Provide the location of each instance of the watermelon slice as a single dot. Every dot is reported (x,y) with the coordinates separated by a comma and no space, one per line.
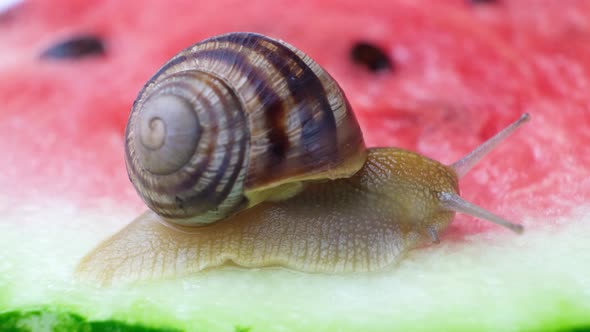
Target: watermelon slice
(455,73)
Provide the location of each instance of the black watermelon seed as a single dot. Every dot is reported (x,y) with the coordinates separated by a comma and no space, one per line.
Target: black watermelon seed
(477,2)
(370,56)
(75,48)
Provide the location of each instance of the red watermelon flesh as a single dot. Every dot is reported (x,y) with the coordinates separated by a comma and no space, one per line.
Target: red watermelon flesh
(461,72)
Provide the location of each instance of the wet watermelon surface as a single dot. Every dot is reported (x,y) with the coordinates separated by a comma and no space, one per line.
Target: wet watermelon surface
(455,73)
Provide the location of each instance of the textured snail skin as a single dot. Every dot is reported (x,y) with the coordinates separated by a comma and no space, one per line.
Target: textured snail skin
(361,223)
(235,120)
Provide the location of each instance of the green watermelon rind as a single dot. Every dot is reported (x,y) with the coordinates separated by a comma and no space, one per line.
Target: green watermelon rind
(53,319)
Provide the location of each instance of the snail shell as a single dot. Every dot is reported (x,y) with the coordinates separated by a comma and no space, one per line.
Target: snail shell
(235,120)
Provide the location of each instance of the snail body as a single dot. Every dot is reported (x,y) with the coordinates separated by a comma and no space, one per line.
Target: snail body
(267,167)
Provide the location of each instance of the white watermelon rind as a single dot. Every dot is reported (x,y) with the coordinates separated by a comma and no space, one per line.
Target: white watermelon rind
(493,281)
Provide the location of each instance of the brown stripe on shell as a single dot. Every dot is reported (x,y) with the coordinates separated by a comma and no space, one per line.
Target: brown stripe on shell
(306,90)
(350,139)
(204,185)
(275,108)
(272,104)
(215,191)
(191,181)
(315,148)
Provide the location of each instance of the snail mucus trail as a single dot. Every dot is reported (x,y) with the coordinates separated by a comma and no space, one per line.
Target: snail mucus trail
(247,153)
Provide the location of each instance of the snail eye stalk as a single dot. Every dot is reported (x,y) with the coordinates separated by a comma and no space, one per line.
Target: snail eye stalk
(465,164)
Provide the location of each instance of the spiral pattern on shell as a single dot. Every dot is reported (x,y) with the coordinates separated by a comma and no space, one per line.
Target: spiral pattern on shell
(235,115)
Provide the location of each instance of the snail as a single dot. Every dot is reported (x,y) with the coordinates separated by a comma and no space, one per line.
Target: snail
(247,153)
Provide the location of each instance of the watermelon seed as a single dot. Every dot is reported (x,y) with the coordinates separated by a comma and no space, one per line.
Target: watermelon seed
(75,47)
(371,57)
(477,2)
